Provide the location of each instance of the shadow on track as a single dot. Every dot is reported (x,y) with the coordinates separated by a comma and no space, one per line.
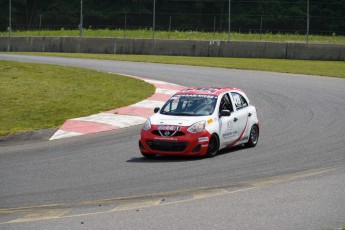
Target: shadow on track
(169,159)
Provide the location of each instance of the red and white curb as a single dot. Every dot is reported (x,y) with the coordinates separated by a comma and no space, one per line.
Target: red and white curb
(135,114)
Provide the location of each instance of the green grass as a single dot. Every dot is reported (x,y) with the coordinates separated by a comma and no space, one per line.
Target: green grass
(318,68)
(36,96)
(189,35)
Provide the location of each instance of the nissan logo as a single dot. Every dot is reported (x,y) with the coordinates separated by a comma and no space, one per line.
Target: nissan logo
(166,133)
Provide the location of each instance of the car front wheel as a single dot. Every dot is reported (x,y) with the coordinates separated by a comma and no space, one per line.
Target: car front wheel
(213,146)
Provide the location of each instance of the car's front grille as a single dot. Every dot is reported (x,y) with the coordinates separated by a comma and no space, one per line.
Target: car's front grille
(168,133)
(167,146)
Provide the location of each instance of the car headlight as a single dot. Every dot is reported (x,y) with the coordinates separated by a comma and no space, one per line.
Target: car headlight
(197,127)
(147,125)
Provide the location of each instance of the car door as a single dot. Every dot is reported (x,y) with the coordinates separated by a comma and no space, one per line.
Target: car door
(226,129)
(239,118)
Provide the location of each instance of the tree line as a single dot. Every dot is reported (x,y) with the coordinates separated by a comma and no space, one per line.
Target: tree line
(206,15)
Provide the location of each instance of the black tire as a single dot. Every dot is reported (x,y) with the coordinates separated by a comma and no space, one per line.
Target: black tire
(213,146)
(253,136)
(148,156)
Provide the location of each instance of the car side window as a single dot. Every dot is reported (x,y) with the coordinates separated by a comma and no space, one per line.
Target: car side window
(240,101)
(225,103)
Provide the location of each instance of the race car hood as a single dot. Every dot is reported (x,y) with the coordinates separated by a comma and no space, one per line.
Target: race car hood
(159,119)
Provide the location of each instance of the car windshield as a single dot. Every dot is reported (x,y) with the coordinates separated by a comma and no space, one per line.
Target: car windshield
(190,105)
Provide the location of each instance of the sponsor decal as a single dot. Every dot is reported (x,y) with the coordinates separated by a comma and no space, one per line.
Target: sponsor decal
(229,135)
(169,127)
(165,138)
(197,95)
(237,100)
(203,139)
(203,146)
(240,137)
(230,125)
(206,90)
(209,121)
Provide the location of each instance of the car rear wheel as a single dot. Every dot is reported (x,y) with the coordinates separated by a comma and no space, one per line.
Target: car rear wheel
(253,136)
(213,146)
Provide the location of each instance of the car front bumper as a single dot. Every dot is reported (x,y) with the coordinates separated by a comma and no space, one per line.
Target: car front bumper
(188,144)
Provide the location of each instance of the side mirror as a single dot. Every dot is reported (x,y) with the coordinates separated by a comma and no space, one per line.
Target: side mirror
(225,113)
(156,109)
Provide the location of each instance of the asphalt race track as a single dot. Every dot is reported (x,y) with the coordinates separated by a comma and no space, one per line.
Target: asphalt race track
(299,162)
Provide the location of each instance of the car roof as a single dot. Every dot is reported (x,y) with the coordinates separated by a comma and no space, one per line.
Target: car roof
(213,91)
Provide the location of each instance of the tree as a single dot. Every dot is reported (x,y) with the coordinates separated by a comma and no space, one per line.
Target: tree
(246,15)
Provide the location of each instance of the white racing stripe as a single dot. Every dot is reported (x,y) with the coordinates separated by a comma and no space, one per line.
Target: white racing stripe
(64,134)
(113,119)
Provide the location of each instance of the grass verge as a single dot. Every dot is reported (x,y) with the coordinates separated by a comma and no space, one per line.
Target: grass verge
(317,68)
(185,35)
(36,96)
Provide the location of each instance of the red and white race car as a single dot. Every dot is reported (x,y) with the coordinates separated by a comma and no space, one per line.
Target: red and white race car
(200,122)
